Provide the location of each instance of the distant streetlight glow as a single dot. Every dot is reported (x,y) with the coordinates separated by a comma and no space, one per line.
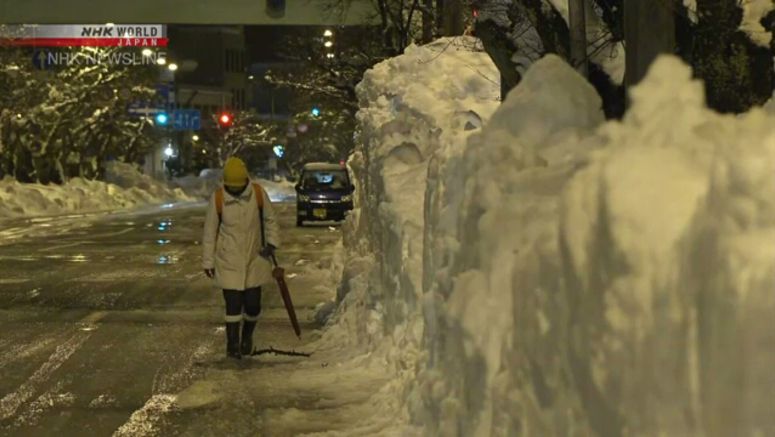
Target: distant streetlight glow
(195,138)
(328,33)
(173,67)
(168,151)
(147,53)
(251,77)
(161,61)
(328,44)
(330,56)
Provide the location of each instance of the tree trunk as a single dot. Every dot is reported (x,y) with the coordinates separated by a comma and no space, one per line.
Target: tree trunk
(578,35)
(453,18)
(500,47)
(439,17)
(649,29)
(427,21)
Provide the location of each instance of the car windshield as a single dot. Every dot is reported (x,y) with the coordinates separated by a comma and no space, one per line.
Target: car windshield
(324,179)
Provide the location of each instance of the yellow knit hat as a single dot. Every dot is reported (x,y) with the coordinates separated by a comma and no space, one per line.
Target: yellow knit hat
(235,173)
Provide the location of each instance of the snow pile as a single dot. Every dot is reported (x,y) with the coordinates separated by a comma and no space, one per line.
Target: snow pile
(279,191)
(125,188)
(210,179)
(406,116)
(554,274)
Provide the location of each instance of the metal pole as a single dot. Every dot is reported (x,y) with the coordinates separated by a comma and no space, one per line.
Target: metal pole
(578,35)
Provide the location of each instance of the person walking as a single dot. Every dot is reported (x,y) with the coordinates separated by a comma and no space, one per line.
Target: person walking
(241,234)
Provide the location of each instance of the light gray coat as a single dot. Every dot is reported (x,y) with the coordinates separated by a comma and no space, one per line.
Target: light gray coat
(232,245)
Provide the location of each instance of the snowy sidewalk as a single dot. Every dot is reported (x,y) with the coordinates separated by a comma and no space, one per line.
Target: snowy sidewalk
(339,390)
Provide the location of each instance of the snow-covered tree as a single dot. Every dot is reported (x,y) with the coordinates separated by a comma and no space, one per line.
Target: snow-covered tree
(515,33)
(728,42)
(67,120)
(249,137)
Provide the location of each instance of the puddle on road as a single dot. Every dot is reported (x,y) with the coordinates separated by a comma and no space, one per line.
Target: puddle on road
(80,258)
(164,225)
(167,260)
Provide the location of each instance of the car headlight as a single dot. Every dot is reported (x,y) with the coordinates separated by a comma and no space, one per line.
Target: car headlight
(304,198)
(347,198)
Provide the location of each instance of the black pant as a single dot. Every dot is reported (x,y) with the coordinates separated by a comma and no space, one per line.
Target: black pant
(237,302)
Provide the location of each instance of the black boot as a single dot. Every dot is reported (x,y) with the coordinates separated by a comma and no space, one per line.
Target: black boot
(232,340)
(247,337)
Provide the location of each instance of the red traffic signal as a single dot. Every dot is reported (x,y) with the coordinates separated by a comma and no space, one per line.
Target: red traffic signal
(225,119)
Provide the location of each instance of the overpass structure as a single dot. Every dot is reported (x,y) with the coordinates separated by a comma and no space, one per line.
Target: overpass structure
(212,12)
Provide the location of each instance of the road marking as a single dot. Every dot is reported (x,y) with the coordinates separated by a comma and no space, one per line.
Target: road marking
(61,246)
(11,402)
(23,351)
(7,281)
(146,420)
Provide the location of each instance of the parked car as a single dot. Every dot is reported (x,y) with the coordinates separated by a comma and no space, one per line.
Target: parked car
(324,193)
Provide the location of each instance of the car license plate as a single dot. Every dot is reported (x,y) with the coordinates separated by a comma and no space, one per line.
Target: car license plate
(320,213)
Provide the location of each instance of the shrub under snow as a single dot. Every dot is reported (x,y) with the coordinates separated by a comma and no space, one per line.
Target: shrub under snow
(554,274)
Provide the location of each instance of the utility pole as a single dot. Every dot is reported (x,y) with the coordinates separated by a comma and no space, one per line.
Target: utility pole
(649,30)
(453,18)
(577,19)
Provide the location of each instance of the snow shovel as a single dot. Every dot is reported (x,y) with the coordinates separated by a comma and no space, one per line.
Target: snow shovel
(279,276)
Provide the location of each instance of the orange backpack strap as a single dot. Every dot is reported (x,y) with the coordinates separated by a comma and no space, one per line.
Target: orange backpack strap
(259,195)
(219,202)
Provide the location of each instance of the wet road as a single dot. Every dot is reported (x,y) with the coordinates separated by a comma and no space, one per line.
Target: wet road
(105,320)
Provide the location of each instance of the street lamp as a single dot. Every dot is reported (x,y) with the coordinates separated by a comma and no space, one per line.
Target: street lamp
(168,151)
(328,44)
(328,33)
(330,56)
(195,138)
(147,53)
(161,61)
(173,67)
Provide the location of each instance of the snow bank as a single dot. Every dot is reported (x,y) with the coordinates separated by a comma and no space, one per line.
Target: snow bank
(202,186)
(125,188)
(406,117)
(553,274)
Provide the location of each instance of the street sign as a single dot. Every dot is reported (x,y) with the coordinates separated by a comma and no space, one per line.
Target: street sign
(143,109)
(186,119)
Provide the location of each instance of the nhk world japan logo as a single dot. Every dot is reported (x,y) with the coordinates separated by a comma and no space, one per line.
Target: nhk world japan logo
(85,35)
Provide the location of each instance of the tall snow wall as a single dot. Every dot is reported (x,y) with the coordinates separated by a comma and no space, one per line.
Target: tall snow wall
(554,274)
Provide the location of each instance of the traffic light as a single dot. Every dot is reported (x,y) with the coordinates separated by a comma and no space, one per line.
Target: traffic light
(225,119)
(162,119)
